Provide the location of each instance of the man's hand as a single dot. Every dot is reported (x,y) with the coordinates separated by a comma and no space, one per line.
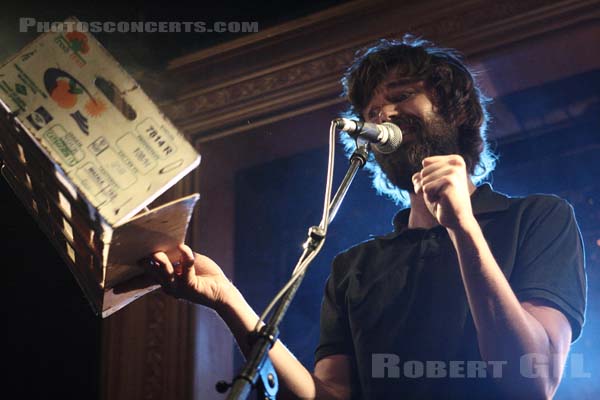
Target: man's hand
(193,277)
(445,186)
(199,279)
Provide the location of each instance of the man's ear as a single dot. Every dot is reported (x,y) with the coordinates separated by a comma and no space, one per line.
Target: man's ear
(433,97)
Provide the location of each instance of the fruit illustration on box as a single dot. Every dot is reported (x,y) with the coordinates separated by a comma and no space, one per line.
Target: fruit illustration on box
(78,42)
(63,88)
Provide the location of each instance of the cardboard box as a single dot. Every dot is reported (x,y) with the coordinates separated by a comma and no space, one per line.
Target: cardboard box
(86,150)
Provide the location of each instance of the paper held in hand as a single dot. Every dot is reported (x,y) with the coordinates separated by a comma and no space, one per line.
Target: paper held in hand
(86,150)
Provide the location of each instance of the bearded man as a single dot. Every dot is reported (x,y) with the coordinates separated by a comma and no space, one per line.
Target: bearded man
(473,294)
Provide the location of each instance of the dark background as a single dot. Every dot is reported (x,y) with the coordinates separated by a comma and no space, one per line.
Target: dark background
(151,51)
(50,336)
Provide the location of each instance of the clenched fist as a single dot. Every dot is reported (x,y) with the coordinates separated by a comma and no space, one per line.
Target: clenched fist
(446,189)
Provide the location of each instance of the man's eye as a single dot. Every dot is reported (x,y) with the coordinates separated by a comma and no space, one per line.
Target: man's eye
(400,97)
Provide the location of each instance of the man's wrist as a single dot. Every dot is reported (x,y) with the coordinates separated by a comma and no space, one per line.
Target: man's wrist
(466,227)
(229,300)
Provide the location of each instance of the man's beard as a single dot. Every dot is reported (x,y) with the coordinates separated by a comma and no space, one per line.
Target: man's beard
(431,137)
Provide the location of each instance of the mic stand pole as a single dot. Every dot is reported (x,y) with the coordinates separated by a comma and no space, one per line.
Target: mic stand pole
(258,370)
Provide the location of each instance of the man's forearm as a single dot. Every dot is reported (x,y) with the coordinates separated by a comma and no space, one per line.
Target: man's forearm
(505,330)
(295,381)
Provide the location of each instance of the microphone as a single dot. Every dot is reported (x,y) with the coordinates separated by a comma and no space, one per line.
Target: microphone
(386,137)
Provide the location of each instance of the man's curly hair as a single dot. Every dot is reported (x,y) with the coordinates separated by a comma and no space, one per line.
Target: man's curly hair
(450,85)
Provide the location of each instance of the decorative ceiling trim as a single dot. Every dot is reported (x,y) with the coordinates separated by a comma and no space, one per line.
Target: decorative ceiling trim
(267,120)
(296,67)
(273,34)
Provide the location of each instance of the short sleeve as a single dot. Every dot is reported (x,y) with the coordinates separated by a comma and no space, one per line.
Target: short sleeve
(550,259)
(335,336)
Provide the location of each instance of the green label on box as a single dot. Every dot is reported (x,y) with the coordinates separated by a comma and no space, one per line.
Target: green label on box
(65,144)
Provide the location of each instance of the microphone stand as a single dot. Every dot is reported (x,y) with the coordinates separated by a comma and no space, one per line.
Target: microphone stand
(258,371)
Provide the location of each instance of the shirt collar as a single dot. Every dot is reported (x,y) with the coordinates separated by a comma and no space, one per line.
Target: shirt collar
(483,200)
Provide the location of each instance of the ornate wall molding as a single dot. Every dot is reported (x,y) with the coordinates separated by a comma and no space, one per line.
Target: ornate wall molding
(252,83)
(154,365)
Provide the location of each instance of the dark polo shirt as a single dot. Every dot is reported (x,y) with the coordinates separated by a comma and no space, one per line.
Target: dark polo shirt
(397,305)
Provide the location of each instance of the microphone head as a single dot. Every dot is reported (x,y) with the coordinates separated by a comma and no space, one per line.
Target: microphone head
(394,138)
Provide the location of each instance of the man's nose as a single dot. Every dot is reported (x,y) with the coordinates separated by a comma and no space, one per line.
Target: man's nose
(387,113)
